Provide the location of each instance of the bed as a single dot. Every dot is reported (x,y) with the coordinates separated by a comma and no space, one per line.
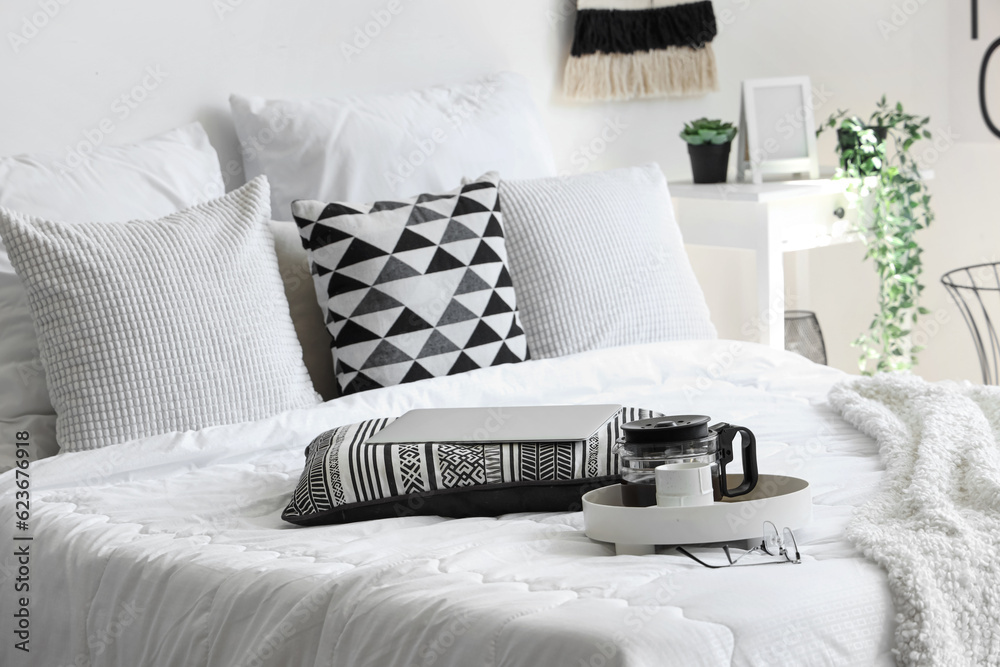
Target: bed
(171,551)
(166,369)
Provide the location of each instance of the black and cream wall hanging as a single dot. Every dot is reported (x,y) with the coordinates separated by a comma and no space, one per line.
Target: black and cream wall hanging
(624,49)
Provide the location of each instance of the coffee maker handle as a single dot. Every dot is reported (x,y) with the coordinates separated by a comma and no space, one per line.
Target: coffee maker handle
(726,436)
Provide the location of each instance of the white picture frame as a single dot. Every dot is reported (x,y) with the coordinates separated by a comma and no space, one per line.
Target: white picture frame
(777,129)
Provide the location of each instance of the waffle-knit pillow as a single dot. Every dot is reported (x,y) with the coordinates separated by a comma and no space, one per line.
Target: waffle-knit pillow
(153,326)
(148,179)
(598,261)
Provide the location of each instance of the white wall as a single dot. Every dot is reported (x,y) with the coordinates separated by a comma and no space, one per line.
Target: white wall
(62,81)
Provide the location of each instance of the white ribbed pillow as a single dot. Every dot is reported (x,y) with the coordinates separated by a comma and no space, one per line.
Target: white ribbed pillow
(597,260)
(153,326)
(148,179)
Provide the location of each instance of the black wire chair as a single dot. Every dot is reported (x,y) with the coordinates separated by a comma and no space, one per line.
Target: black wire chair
(804,336)
(976,291)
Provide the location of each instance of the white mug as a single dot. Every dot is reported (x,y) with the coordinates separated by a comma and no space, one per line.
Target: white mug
(684,485)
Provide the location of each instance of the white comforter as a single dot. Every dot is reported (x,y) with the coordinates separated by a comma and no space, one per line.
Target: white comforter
(170,550)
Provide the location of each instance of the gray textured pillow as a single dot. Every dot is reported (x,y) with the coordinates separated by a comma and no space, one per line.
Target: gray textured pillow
(598,261)
(293,262)
(148,327)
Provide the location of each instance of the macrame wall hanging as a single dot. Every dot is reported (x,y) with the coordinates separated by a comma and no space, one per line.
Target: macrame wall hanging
(623,49)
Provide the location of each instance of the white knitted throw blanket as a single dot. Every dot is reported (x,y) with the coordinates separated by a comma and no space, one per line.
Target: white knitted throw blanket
(934,526)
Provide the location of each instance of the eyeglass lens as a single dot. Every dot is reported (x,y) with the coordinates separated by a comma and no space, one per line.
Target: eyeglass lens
(772,540)
(791,546)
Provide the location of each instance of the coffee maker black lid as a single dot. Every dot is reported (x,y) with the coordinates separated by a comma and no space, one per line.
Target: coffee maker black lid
(666,429)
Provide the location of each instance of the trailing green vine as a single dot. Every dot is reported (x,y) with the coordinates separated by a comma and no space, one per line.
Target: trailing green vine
(893,205)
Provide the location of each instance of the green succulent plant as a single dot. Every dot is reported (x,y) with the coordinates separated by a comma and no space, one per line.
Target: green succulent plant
(705,131)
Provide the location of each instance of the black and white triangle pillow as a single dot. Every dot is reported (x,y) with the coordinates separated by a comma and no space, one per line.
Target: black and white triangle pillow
(416,288)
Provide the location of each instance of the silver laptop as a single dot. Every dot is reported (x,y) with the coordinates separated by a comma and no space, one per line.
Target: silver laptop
(556,423)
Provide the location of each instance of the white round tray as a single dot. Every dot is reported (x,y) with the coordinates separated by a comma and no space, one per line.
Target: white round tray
(785,501)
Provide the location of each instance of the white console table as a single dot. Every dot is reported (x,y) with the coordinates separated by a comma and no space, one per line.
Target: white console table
(770,219)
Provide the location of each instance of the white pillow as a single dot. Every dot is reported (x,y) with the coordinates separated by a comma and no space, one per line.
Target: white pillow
(597,260)
(148,179)
(293,262)
(154,326)
(391,146)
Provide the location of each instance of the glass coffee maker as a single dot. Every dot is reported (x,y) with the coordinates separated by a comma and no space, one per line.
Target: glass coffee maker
(649,443)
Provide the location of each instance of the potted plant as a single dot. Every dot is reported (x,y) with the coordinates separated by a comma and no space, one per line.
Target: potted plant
(708,143)
(895,205)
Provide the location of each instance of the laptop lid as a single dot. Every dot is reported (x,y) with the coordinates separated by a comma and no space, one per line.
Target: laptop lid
(553,423)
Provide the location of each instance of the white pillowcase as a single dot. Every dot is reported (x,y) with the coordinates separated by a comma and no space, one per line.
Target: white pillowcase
(391,146)
(154,326)
(597,260)
(148,179)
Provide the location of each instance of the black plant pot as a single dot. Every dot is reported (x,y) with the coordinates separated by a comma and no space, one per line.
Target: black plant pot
(709,162)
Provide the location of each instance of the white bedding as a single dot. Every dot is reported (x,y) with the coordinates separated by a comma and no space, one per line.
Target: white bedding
(170,550)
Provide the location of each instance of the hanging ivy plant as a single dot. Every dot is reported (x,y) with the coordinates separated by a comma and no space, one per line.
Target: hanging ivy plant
(893,204)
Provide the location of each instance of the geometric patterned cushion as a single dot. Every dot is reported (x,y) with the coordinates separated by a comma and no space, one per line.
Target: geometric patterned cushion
(345,479)
(413,289)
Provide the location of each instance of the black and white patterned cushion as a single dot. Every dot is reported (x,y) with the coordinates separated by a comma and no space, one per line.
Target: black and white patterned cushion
(413,289)
(346,479)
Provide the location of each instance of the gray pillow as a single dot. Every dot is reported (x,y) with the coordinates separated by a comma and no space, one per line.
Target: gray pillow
(598,261)
(148,327)
(293,262)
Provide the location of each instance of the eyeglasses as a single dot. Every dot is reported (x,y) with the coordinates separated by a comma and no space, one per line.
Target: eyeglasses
(773,543)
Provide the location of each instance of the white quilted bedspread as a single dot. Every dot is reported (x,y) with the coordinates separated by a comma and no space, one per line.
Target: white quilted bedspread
(170,550)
